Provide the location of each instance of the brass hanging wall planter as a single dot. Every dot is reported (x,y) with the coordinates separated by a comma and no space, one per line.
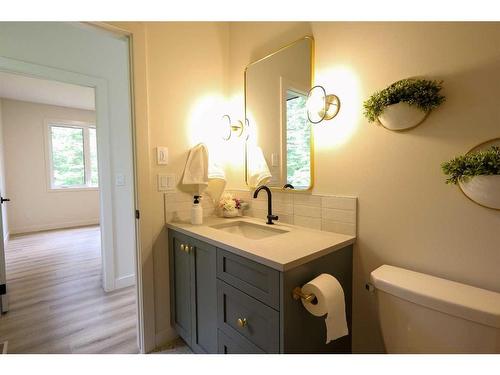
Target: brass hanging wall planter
(477,173)
(405,104)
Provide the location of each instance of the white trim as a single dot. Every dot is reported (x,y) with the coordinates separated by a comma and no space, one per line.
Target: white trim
(103,149)
(72,189)
(165,336)
(145,303)
(66,224)
(124,281)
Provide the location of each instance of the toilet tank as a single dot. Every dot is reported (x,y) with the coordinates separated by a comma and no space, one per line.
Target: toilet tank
(419,313)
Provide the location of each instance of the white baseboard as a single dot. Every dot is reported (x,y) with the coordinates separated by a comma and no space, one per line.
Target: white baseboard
(67,224)
(124,281)
(165,336)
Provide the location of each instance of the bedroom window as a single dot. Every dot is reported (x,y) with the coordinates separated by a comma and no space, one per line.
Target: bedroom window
(72,153)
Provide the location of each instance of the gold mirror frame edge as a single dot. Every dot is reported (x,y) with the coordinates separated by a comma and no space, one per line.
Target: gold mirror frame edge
(309,189)
(476,147)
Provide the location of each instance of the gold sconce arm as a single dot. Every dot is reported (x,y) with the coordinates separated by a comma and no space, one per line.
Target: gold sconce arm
(321,106)
(237,128)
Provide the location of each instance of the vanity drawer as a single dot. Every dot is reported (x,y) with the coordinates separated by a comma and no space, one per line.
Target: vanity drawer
(235,345)
(253,278)
(261,323)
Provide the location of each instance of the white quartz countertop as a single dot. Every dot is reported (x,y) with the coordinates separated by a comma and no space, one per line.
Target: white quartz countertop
(282,252)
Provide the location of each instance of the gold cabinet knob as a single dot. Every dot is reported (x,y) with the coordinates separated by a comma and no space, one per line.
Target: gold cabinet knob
(190,248)
(182,247)
(242,322)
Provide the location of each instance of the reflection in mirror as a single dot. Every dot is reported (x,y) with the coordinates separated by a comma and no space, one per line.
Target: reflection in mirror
(276,89)
(298,141)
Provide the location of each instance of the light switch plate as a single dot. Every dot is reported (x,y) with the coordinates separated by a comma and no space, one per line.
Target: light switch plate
(120,180)
(162,155)
(166,182)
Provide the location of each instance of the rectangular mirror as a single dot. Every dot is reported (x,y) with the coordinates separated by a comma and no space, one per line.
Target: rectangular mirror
(279,148)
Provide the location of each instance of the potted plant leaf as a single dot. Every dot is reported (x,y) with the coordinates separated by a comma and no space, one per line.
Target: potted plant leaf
(404,104)
(478,175)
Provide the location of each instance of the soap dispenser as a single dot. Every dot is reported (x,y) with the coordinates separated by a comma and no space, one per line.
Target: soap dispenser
(196,211)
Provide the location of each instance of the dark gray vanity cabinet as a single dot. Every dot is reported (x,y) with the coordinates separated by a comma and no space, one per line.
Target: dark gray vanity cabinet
(193,293)
(225,303)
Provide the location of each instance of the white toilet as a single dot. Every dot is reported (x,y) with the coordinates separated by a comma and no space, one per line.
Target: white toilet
(419,313)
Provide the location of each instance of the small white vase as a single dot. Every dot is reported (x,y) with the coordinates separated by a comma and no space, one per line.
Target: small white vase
(232,213)
(484,190)
(401,116)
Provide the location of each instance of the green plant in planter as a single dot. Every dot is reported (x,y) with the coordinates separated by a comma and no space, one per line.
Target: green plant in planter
(464,167)
(421,93)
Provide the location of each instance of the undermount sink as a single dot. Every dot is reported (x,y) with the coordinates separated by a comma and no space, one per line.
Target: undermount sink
(249,230)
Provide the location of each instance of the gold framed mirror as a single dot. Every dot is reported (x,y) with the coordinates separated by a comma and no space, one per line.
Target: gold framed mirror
(279,151)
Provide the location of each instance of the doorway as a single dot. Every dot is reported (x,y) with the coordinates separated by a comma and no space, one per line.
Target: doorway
(77,170)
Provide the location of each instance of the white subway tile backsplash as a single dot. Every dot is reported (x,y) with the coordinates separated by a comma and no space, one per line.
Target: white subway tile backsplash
(327,213)
(283,218)
(307,200)
(306,221)
(259,204)
(280,197)
(283,207)
(337,227)
(343,216)
(343,203)
(309,211)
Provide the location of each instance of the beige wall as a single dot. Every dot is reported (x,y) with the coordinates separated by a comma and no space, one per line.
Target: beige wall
(407,216)
(33,207)
(183,72)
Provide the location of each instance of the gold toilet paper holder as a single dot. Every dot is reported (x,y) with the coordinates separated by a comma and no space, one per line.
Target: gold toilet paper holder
(297,294)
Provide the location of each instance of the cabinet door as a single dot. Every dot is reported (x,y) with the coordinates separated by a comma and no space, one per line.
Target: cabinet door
(180,291)
(204,297)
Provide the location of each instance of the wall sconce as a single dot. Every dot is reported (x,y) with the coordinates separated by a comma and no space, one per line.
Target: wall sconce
(237,128)
(321,106)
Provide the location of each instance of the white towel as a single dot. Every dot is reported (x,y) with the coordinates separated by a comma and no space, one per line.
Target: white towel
(196,169)
(258,170)
(203,172)
(216,180)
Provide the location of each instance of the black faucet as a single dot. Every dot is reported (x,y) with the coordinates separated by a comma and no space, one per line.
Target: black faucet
(270,216)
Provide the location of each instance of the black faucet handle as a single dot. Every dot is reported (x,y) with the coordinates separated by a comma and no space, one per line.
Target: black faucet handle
(270,218)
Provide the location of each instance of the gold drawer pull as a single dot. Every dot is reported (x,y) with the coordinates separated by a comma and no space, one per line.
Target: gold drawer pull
(182,247)
(242,322)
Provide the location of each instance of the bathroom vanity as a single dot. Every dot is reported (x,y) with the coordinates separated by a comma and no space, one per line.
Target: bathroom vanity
(231,283)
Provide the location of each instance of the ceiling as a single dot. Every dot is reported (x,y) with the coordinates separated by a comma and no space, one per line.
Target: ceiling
(19,87)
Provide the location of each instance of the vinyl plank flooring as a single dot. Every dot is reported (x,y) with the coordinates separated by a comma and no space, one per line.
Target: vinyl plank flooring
(56,301)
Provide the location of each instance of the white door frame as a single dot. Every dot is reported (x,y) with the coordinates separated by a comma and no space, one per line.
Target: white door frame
(100,86)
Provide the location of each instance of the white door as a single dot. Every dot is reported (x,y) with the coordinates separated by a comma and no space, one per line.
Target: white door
(4,305)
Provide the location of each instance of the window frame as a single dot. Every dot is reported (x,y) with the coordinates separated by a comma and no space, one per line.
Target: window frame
(85,126)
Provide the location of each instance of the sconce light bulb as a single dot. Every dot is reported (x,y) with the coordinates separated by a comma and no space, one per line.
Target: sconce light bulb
(321,106)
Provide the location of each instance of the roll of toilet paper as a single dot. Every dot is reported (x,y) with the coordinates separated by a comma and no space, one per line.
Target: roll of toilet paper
(330,301)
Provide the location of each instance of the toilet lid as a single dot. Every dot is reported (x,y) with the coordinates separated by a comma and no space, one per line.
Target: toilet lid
(461,300)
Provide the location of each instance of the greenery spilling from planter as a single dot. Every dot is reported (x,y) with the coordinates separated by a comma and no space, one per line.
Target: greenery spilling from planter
(421,93)
(464,167)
